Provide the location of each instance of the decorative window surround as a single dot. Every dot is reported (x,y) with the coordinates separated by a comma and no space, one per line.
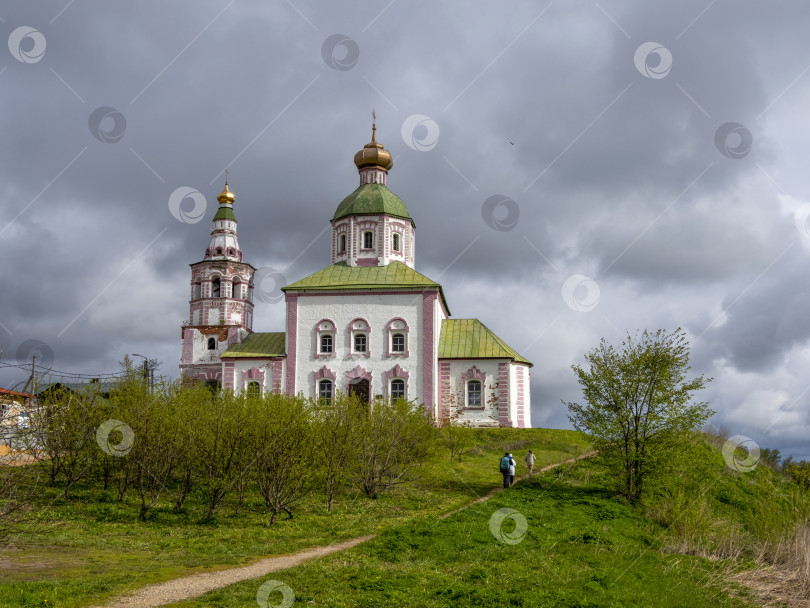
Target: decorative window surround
(396,373)
(396,326)
(359,326)
(253,375)
(358,373)
(325,327)
(474,374)
(324,374)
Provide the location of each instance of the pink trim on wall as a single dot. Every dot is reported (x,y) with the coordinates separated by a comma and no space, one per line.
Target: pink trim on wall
(521,412)
(367,261)
(292,340)
(275,375)
(428,350)
(474,374)
(188,346)
(228,375)
(394,373)
(358,373)
(253,373)
(444,390)
(503,394)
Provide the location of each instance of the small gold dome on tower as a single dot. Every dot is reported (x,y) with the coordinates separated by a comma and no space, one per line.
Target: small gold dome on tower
(226,196)
(373,153)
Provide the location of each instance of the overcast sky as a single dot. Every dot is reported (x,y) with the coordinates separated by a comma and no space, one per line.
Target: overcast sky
(647,162)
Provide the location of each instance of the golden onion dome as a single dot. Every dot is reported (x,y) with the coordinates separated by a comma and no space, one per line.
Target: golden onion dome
(226,196)
(373,154)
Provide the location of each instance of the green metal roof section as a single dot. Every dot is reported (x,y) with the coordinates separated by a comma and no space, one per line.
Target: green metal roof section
(471,339)
(225,213)
(270,344)
(342,277)
(372,199)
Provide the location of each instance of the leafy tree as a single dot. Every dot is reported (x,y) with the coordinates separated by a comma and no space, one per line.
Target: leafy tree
(219,438)
(283,451)
(456,437)
(336,441)
(637,406)
(770,457)
(393,440)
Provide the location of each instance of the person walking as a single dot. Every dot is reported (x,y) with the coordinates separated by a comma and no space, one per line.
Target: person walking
(530,460)
(505,463)
(512,465)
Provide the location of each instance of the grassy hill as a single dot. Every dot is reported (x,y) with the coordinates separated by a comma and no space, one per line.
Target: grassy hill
(583,546)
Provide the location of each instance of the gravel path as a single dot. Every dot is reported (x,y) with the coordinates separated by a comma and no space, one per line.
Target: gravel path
(195,585)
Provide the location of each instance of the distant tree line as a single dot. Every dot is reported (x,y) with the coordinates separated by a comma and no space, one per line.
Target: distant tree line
(799,471)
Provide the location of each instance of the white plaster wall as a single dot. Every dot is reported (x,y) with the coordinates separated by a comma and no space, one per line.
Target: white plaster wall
(378,310)
(201,352)
(477,418)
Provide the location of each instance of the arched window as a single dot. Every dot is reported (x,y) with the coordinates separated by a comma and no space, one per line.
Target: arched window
(237,288)
(359,334)
(231,252)
(473,393)
(397,389)
(398,343)
(219,250)
(368,240)
(325,391)
(342,248)
(254,389)
(396,242)
(215,287)
(325,338)
(212,343)
(197,291)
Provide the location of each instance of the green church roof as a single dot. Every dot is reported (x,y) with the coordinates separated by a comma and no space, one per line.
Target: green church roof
(471,339)
(372,199)
(342,277)
(225,213)
(270,344)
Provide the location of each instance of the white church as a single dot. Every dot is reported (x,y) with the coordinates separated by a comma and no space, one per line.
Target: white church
(368,324)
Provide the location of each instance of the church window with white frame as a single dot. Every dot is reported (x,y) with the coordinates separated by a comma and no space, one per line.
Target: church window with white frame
(398,389)
(368,240)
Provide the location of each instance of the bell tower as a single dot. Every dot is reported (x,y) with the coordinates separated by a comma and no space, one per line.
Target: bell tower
(221,299)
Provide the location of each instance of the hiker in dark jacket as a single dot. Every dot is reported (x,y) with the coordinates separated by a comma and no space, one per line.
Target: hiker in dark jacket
(506,462)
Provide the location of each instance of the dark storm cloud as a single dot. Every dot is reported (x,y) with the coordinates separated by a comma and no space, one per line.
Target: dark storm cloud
(614,175)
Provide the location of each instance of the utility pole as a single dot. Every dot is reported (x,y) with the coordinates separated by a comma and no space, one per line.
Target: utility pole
(32,380)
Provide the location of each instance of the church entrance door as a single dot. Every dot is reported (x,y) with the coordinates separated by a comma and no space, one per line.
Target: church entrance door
(361,389)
